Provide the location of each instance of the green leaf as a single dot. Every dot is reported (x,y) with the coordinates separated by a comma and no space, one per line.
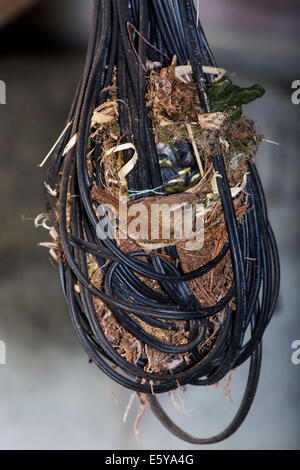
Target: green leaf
(236,113)
(225,94)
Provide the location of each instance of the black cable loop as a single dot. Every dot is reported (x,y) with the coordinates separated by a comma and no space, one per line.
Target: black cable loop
(249,302)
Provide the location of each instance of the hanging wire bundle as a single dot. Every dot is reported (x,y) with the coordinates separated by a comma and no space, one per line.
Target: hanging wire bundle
(143,125)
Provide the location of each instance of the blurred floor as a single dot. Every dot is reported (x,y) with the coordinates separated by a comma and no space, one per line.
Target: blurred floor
(50,397)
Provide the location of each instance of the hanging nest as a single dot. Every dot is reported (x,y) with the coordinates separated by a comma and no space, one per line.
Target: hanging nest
(156,124)
(178,121)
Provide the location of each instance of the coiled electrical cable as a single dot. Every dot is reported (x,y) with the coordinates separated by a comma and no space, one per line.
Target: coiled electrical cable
(170,27)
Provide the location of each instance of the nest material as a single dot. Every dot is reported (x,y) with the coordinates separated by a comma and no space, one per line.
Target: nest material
(174,108)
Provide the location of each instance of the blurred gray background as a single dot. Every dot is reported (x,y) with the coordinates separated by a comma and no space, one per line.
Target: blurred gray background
(50,396)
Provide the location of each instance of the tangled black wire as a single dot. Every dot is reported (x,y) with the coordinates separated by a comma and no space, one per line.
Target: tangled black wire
(170,26)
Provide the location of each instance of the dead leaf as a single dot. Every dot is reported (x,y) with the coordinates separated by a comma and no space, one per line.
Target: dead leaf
(211,121)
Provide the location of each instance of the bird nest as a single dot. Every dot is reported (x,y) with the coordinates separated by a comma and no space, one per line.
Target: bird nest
(178,120)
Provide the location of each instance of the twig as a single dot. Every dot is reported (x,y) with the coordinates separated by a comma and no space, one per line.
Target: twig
(53,148)
(191,135)
(130,25)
